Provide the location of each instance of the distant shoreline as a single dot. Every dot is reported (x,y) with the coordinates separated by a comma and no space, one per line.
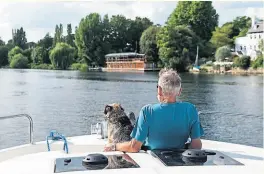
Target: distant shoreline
(233,71)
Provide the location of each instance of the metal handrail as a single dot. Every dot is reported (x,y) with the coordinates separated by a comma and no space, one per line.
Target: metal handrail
(30,123)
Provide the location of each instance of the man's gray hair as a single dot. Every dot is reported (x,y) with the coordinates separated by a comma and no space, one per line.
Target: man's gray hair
(169,81)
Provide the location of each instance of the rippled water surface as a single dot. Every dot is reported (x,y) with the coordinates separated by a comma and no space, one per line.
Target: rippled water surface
(70,101)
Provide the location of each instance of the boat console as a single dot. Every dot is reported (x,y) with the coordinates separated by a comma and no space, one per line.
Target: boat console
(192,157)
(169,157)
(94,162)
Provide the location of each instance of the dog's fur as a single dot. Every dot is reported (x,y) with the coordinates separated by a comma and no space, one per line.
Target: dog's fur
(119,124)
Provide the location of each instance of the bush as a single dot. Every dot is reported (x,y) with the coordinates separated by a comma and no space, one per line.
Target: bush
(14,52)
(76,66)
(258,63)
(19,61)
(242,62)
(222,53)
(84,68)
(41,66)
(79,66)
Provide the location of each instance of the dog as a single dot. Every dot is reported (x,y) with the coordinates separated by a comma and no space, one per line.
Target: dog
(120,124)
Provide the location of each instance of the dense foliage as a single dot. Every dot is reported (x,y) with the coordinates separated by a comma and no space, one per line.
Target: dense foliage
(192,25)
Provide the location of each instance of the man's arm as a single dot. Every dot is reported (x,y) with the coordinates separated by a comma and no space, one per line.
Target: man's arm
(130,146)
(196,129)
(196,144)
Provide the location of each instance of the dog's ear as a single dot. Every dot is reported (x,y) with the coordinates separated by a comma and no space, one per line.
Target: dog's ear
(108,109)
(122,108)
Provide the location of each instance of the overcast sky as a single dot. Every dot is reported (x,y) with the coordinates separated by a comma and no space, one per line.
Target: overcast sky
(38,18)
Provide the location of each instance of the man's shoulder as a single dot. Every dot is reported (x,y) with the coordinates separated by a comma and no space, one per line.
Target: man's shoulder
(148,107)
(187,105)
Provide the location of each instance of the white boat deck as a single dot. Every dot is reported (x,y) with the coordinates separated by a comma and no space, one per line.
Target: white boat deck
(34,159)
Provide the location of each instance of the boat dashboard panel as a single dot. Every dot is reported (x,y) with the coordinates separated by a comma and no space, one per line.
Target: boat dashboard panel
(94,162)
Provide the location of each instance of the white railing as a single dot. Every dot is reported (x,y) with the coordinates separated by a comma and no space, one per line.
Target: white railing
(30,124)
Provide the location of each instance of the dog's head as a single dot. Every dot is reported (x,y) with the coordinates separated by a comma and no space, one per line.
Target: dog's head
(113,111)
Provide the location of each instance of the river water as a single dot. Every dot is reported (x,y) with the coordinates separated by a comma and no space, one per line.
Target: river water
(70,101)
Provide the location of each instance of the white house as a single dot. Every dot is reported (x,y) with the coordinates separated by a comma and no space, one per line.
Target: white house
(249,45)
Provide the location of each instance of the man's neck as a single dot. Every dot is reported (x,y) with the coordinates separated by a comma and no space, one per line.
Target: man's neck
(170,100)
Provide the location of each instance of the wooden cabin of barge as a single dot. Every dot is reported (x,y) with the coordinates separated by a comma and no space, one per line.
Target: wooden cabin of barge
(128,62)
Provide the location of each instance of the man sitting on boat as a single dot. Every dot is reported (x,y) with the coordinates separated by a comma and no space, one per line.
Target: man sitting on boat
(167,124)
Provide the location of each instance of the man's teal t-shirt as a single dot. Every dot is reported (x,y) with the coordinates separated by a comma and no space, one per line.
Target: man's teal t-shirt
(167,125)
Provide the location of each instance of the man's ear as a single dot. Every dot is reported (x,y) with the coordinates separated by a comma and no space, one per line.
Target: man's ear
(108,109)
(179,93)
(159,91)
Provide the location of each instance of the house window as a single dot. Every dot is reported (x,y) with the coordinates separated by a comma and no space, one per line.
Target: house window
(245,48)
(259,36)
(250,36)
(250,46)
(241,48)
(255,36)
(254,47)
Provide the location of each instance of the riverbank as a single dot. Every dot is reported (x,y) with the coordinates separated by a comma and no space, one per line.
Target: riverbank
(229,70)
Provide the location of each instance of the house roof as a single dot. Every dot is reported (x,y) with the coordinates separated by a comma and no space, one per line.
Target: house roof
(125,55)
(258,29)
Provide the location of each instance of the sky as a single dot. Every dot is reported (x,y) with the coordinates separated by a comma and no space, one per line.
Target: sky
(38,18)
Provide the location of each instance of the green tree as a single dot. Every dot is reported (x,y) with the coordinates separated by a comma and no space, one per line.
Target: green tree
(45,44)
(9,44)
(137,27)
(37,55)
(222,53)
(70,36)
(58,36)
(2,43)
(61,56)
(30,45)
(199,15)
(241,26)
(120,37)
(13,52)
(222,36)
(19,38)
(19,61)
(177,46)
(3,56)
(148,43)
(27,53)
(90,40)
